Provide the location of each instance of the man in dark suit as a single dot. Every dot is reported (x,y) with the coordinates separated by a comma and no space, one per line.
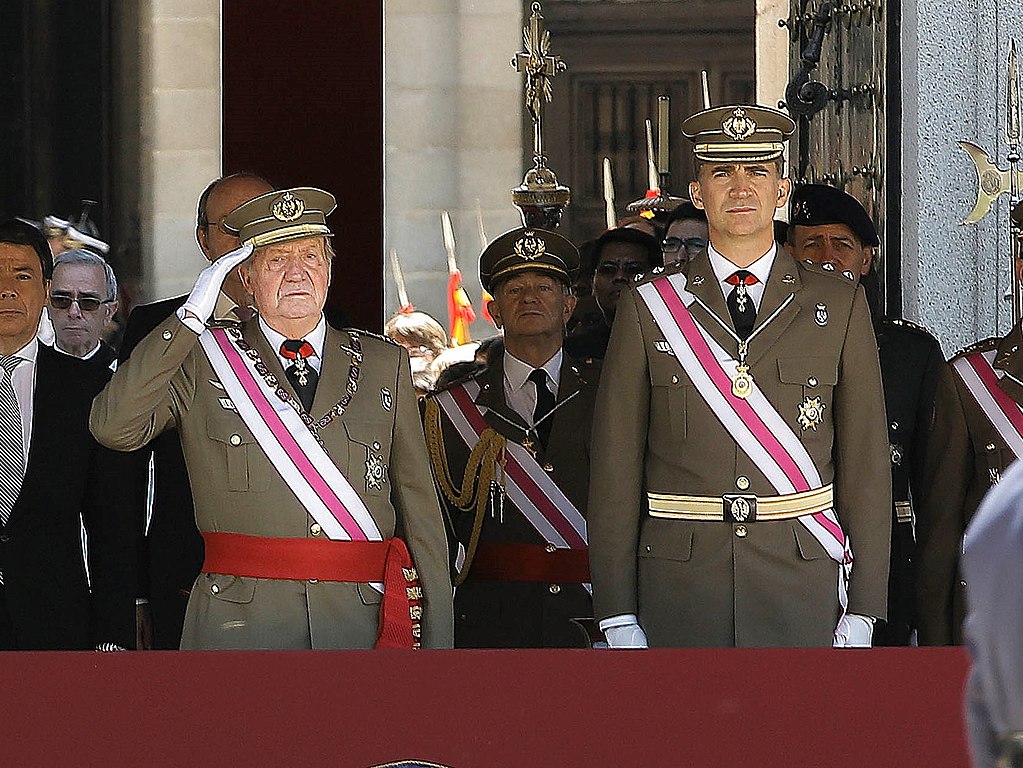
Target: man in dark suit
(174,548)
(510,450)
(53,477)
(82,302)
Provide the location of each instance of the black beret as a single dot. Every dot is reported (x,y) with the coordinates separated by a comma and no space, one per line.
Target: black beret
(634,237)
(525,249)
(814,205)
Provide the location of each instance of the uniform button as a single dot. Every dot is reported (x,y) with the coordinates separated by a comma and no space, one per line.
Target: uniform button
(742,482)
(962,584)
(167,335)
(548,467)
(551,548)
(215,589)
(990,446)
(740,531)
(314,581)
(235,439)
(812,381)
(674,379)
(315,529)
(555,589)
(895,425)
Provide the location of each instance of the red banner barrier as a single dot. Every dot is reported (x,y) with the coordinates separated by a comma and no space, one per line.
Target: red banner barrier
(487,709)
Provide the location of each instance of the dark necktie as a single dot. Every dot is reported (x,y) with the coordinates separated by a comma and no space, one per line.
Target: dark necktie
(740,303)
(544,404)
(300,373)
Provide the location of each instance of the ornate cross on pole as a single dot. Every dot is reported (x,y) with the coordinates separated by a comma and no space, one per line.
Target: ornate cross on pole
(540,198)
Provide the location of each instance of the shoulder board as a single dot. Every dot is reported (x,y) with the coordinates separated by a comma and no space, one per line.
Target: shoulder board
(980,346)
(656,272)
(361,333)
(475,373)
(908,325)
(830,270)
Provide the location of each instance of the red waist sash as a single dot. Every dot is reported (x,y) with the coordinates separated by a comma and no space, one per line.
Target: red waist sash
(385,561)
(530,562)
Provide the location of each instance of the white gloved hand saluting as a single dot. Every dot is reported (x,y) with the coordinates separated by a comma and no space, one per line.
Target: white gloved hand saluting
(854,631)
(203,299)
(623,631)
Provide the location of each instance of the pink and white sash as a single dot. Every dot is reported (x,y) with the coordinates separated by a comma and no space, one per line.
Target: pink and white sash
(754,423)
(529,487)
(980,377)
(293,450)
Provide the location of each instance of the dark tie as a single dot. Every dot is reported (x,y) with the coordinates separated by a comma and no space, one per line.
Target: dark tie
(544,404)
(300,373)
(740,303)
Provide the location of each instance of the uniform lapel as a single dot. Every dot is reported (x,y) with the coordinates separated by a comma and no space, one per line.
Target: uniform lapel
(333,372)
(252,334)
(1009,359)
(569,385)
(702,283)
(499,415)
(781,283)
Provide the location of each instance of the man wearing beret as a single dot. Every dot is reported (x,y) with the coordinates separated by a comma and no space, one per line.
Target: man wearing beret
(979,424)
(510,455)
(740,486)
(830,227)
(304,451)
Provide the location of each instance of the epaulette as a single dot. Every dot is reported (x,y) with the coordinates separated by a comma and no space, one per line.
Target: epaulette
(908,325)
(828,269)
(478,370)
(361,332)
(980,346)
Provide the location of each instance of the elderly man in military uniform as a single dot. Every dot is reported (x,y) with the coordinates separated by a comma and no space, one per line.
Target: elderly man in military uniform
(979,423)
(510,455)
(829,226)
(304,451)
(740,485)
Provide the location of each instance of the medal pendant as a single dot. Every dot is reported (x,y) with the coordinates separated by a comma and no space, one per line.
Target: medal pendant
(530,446)
(742,382)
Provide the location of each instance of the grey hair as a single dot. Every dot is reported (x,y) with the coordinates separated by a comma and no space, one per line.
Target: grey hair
(84,256)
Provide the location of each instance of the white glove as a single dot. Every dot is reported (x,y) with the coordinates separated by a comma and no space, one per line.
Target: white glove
(203,299)
(854,631)
(623,631)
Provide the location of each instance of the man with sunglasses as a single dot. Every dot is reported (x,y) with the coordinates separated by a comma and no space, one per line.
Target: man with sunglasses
(686,234)
(83,299)
(618,256)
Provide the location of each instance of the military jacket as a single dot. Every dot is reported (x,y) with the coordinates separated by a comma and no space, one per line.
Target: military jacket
(969,458)
(522,614)
(706,583)
(169,382)
(911,361)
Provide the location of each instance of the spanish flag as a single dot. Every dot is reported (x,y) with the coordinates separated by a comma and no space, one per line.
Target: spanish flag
(460,311)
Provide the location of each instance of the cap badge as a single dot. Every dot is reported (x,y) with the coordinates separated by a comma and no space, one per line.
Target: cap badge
(530,247)
(738,126)
(801,210)
(288,208)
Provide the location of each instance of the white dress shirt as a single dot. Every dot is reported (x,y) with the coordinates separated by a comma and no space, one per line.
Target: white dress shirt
(23,380)
(317,338)
(519,391)
(760,269)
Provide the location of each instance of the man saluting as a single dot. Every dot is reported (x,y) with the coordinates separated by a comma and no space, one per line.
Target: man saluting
(304,450)
(740,492)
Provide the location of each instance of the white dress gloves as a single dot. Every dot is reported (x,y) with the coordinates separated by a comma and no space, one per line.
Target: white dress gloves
(203,299)
(623,631)
(854,631)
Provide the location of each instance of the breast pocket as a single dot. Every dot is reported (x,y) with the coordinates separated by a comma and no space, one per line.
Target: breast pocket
(369,456)
(806,402)
(248,469)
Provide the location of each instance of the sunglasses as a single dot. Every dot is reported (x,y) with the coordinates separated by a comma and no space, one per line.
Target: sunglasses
(629,268)
(85,303)
(693,245)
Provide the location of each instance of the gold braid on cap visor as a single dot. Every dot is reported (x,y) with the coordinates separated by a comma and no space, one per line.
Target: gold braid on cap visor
(295,232)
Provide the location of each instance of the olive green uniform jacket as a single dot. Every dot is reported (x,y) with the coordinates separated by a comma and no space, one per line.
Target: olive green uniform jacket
(523,614)
(169,382)
(696,583)
(968,458)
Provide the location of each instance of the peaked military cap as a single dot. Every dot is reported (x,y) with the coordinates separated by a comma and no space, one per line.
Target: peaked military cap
(528,249)
(282,215)
(814,205)
(738,134)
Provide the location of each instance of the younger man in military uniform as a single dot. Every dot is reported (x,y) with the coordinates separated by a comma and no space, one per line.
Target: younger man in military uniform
(739,461)
(978,426)
(830,227)
(510,455)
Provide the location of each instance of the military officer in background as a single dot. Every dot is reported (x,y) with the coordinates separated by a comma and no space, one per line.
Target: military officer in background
(978,427)
(304,450)
(829,226)
(739,456)
(510,451)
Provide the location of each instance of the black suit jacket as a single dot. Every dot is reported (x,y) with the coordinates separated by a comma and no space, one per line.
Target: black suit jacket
(69,477)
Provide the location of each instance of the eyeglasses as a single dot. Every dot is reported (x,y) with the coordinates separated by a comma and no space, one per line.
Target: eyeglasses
(629,268)
(85,303)
(693,245)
